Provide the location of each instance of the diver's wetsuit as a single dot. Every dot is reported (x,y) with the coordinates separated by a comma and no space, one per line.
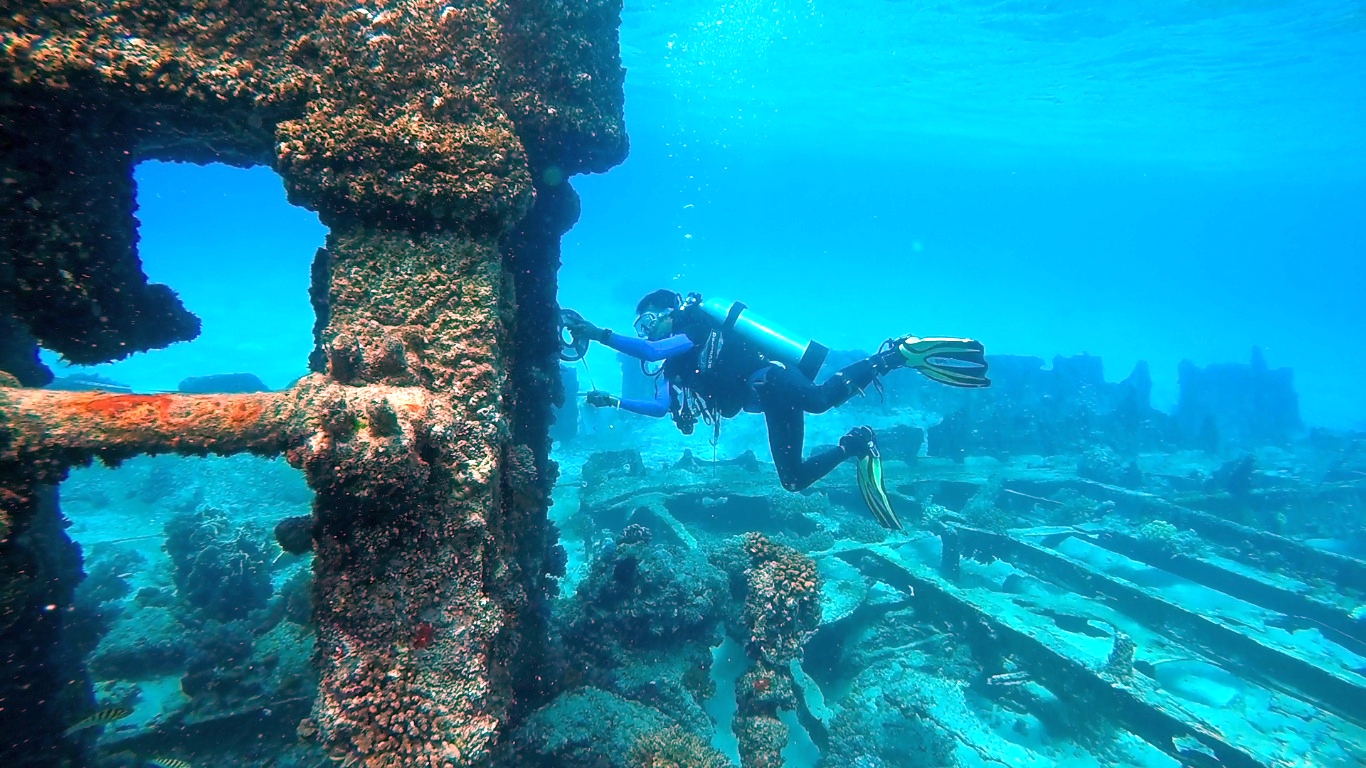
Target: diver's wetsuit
(743,379)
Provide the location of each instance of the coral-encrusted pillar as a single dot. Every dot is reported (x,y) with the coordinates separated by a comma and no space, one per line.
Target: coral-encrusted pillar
(409,520)
(423,132)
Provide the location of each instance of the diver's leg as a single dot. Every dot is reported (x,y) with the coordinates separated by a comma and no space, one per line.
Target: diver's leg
(786,433)
(789,386)
(784,396)
(956,362)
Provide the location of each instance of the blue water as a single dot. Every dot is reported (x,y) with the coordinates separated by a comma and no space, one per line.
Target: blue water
(1151,181)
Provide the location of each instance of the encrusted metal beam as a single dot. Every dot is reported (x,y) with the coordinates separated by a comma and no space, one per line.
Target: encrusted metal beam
(1054,665)
(1259,549)
(1274,596)
(1331,689)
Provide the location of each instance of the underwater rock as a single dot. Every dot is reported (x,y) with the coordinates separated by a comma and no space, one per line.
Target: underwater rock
(603,466)
(221,673)
(888,719)
(1237,405)
(639,596)
(86,382)
(642,625)
(147,644)
(222,383)
(154,597)
(106,573)
(587,728)
(295,534)
(1233,477)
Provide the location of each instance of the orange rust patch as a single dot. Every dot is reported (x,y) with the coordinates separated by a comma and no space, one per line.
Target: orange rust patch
(129,407)
(242,412)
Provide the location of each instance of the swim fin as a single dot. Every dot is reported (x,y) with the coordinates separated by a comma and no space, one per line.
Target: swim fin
(869,476)
(868,472)
(955,362)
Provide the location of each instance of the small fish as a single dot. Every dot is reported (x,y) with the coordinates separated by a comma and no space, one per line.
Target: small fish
(103,717)
(168,762)
(1008,678)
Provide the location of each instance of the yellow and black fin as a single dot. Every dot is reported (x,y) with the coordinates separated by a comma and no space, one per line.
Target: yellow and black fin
(955,362)
(869,475)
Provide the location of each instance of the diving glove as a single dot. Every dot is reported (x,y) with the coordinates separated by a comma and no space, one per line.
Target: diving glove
(955,362)
(861,444)
(599,399)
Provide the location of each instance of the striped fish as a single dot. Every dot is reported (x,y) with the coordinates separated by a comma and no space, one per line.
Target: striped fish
(103,717)
(168,762)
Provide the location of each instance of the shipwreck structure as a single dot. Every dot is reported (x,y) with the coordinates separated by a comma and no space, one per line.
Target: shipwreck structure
(433,138)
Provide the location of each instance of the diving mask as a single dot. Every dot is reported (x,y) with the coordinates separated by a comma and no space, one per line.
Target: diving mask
(647,322)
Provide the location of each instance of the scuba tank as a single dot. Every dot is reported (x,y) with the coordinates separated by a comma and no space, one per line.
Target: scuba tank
(773,341)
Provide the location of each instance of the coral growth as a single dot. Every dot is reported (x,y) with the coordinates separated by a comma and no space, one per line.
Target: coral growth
(221,570)
(384,719)
(1102,464)
(1167,537)
(674,747)
(782,599)
(982,510)
(643,622)
(586,728)
(760,740)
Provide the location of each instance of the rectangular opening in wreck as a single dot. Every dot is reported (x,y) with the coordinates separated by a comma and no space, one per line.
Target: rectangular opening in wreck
(190,609)
(236,252)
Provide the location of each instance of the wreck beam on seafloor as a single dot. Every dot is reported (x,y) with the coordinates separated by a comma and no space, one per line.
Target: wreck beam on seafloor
(1260,549)
(1333,690)
(434,140)
(1251,586)
(1052,664)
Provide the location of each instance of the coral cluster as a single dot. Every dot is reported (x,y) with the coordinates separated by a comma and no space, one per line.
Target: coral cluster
(586,728)
(642,624)
(383,720)
(220,569)
(780,591)
(674,747)
(782,600)
(760,740)
(1102,464)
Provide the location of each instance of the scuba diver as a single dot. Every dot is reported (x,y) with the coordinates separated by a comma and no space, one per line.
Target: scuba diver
(719,358)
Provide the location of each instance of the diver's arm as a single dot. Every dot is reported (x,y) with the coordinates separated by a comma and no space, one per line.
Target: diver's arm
(657,407)
(644,349)
(641,349)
